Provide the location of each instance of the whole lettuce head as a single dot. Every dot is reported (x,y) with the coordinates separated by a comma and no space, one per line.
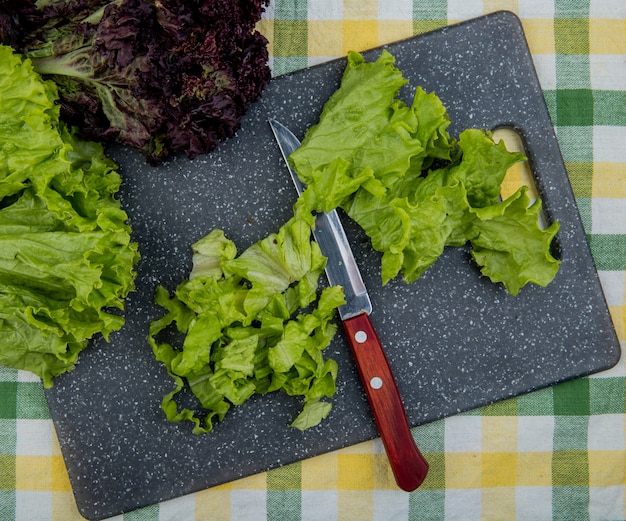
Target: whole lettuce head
(66,256)
(165,77)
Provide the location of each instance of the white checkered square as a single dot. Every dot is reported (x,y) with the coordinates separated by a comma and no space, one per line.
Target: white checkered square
(178,509)
(608,144)
(33,506)
(545,65)
(607,216)
(604,74)
(35,438)
(395,10)
(536,9)
(27,376)
(248,505)
(535,433)
(319,505)
(606,432)
(533,503)
(607,9)
(463,434)
(613,285)
(390,504)
(464,9)
(325,10)
(606,503)
(463,504)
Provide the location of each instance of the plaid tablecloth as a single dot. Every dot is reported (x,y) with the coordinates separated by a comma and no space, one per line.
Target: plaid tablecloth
(559,453)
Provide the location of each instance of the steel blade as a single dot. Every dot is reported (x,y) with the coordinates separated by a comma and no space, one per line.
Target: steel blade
(341,267)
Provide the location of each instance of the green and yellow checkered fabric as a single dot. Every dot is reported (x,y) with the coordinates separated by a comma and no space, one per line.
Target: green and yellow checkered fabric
(559,453)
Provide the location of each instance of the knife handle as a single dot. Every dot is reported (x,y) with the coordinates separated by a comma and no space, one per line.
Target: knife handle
(408,465)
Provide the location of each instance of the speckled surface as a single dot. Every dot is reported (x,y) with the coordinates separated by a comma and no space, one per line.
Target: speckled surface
(454,340)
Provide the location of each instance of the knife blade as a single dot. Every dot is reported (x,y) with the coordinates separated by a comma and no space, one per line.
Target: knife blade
(407,463)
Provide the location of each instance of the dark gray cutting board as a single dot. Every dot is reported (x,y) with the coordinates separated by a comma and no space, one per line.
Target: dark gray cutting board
(455,340)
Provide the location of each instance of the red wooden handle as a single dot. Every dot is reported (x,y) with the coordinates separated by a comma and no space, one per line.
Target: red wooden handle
(408,465)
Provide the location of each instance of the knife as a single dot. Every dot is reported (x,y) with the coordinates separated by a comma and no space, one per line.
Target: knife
(407,463)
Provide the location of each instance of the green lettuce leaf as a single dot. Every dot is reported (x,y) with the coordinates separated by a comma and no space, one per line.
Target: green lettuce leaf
(252,323)
(514,262)
(414,190)
(65,249)
(312,414)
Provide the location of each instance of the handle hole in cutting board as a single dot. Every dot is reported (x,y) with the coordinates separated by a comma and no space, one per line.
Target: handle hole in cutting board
(519,174)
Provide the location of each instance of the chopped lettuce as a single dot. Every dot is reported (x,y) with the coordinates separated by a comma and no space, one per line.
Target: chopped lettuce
(397,172)
(252,323)
(65,249)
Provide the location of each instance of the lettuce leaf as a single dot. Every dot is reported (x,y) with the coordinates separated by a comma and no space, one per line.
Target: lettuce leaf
(252,324)
(414,189)
(65,249)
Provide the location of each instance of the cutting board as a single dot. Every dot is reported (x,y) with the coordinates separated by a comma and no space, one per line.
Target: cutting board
(455,341)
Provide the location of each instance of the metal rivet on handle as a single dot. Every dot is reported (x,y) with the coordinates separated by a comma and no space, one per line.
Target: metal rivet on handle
(376,382)
(360,336)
